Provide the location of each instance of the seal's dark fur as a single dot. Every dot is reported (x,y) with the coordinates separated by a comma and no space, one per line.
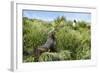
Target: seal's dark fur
(49,46)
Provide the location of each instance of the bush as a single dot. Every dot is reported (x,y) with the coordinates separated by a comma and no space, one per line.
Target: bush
(73,43)
(60,56)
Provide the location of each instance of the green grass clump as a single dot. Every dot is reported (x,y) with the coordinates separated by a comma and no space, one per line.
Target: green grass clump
(60,56)
(73,43)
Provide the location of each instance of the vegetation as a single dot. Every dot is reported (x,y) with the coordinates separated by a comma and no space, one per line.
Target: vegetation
(73,42)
